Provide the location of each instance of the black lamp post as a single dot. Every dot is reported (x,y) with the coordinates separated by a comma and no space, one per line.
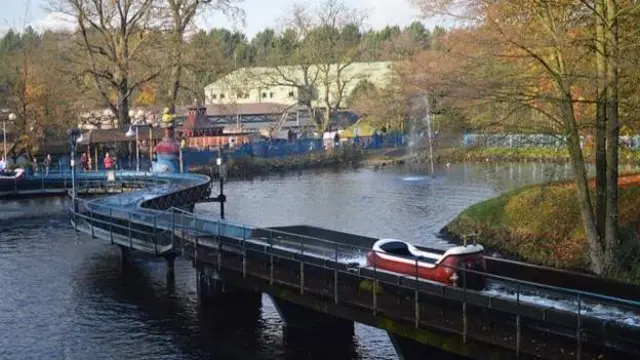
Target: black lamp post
(221,198)
(74,135)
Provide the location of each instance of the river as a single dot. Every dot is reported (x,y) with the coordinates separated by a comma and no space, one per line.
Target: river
(65,296)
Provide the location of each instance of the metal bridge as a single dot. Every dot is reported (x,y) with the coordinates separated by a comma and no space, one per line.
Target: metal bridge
(325,274)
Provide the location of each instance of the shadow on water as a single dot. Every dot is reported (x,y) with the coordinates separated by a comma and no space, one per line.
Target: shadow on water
(224,331)
(319,346)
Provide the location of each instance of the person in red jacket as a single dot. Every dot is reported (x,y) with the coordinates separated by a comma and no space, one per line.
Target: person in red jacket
(108,162)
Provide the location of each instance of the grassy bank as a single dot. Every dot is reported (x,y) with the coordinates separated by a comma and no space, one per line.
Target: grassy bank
(542,224)
(249,167)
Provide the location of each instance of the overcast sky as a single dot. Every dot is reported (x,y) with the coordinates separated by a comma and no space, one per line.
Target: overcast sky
(260,14)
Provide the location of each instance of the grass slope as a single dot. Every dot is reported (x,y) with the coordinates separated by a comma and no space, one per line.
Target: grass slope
(542,224)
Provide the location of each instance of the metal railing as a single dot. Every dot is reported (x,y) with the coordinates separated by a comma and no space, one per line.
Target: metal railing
(189,231)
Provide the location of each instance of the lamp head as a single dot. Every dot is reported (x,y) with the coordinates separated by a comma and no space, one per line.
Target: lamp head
(130,132)
(12,117)
(74,134)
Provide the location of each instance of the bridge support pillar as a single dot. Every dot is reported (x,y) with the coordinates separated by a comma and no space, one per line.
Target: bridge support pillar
(212,289)
(125,255)
(300,319)
(303,327)
(171,267)
(409,349)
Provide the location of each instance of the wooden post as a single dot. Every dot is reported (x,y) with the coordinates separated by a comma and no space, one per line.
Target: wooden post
(464,305)
(173,230)
(130,238)
(301,267)
(518,325)
(374,289)
(416,299)
(244,252)
(93,235)
(219,239)
(579,330)
(271,265)
(111,225)
(155,235)
(335,276)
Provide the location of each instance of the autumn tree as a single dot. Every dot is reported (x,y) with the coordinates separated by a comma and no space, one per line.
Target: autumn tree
(37,91)
(548,52)
(116,47)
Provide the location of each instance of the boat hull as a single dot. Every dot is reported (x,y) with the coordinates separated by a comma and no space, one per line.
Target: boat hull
(450,271)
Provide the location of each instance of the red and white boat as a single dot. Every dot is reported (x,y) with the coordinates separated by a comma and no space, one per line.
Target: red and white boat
(445,267)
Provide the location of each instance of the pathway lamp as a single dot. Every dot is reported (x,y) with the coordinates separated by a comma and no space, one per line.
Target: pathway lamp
(151,120)
(131,133)
(221,198)
(74,135)
(12,117)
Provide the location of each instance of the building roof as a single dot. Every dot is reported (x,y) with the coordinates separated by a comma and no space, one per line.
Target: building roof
(251,77)
(264,108)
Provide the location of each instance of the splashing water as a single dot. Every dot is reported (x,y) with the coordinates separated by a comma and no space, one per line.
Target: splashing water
(421,118)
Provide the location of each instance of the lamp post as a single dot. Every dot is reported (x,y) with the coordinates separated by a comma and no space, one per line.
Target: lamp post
(151,120)
(74,135)
(12,118)
(221,197)
(131,133)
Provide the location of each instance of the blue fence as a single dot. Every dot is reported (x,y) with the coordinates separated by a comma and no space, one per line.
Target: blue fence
(261,149)
(283,148)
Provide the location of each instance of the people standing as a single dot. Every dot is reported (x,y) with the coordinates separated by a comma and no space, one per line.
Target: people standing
(47,163)
(84,161)
(108,161)
(34,164)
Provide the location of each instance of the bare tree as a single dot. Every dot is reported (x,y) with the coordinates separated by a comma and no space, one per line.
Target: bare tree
(181,14)
(113,38)
(313,53)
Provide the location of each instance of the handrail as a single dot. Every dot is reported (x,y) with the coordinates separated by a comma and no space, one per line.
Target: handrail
(569,293)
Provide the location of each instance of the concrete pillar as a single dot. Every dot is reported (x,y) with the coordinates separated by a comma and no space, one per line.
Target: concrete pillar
(303,327)
(125,255)
(212,289)
(171,267)
(409,349)
(306,320)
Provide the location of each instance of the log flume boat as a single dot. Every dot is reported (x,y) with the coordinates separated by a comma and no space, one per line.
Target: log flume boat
(11,177)
(446,267)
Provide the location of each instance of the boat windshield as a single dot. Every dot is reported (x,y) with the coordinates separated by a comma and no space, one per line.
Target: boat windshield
(396,248)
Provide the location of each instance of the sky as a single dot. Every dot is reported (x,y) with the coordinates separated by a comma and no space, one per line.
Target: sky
(259,14)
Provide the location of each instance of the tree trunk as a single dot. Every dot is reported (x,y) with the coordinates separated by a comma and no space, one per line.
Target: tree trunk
(122,112)
(601,123)
(613,134)
(580,174)
(175,59)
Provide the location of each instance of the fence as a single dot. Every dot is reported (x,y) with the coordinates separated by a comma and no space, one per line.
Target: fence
(536,140)
(283,148)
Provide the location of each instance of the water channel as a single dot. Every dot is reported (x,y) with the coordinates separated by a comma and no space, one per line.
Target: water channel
(64,295)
